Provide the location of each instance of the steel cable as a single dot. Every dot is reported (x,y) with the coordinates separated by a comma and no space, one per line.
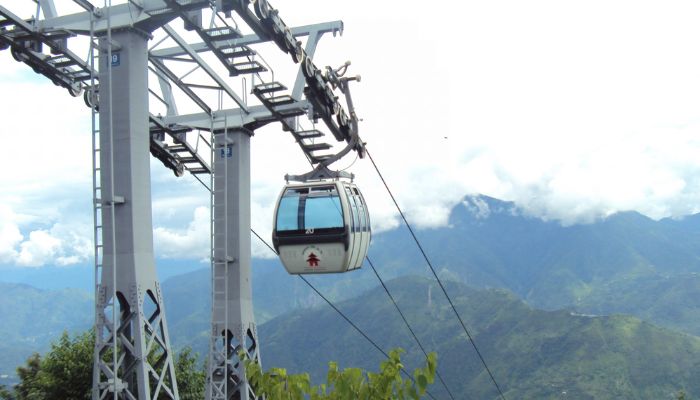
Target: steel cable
(407,324)
(360,331)
(444,291)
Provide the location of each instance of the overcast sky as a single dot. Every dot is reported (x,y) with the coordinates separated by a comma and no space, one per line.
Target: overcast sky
(574,110)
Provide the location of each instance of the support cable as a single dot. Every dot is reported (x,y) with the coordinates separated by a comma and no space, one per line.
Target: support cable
(415,337)
(376,346)
(444,291)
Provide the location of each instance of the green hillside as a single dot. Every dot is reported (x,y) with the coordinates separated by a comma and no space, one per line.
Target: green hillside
(532,353)
(31,318)
(669,301)
(626,263)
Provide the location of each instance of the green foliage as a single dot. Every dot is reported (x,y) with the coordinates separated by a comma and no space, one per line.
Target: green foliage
(190,379)
(29,387)
(6,394)
(65,372)
(348,384)
(533,354)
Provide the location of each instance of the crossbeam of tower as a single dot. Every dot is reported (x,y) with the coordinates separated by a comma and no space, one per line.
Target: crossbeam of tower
(174,77)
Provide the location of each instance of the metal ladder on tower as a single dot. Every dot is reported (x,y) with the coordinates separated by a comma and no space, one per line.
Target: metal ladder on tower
(219,364)
(105,377)
(101,321)
(96,208)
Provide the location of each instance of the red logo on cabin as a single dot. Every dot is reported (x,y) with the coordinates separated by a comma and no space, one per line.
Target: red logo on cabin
(313,260)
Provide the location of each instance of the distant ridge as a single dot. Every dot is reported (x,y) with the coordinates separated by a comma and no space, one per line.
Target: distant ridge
(626,263)
(534,354)
(593,268)
(31,318)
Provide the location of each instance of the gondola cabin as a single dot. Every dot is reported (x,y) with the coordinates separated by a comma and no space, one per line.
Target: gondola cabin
(321,227)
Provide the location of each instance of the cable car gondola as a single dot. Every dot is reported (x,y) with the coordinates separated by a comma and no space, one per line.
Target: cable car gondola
(321,227)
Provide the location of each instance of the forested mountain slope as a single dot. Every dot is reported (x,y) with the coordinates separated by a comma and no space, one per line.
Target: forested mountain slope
(533,354)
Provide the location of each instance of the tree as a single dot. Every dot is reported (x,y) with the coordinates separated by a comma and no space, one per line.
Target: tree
(190,379)
(6,394)
(28,387)
(65,372)
(349,384)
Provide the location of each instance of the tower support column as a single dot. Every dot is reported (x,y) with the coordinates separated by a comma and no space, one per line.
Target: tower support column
(130,310)
(233,323)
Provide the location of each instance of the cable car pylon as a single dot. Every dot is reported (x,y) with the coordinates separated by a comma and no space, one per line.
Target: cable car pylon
(130,314)
(129,288)
(233,324)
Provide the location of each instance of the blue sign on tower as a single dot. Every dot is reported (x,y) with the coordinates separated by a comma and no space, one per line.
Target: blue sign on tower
(228,153)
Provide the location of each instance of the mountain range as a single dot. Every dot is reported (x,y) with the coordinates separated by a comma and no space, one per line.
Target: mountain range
(626,263)
(533,354)
(581,276)
(31,318)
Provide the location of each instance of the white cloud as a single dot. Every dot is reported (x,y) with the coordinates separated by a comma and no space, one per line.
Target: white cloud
(651,172)
(10,236)
(261,221)
(60,245)
(572,110)
(191,242)
(528,102)
(40,249)
(520,101)
(47,131)
(478,207)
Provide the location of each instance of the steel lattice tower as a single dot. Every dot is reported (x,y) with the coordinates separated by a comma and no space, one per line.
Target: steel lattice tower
(132,91)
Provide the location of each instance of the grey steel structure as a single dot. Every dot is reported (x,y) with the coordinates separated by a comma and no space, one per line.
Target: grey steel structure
(144,367)
(132,91)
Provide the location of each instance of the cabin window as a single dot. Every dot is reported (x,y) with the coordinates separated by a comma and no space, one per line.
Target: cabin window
(357,227)
(363,214)
(310,208)
(353,210)
(323,212)
(288,212)
(369,220)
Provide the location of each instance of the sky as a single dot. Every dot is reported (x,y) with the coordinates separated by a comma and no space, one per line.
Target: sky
(573,110)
